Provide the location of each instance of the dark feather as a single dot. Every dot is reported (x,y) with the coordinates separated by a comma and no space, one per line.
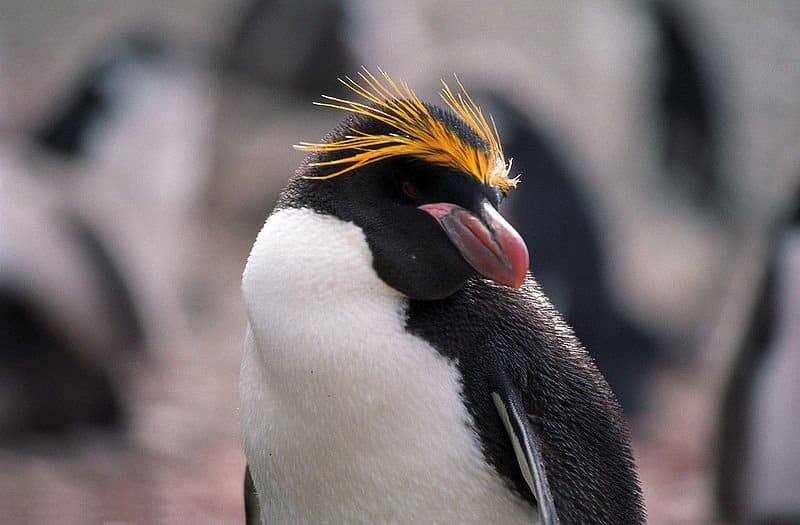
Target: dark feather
(527,447)
(252,509)
(492,331)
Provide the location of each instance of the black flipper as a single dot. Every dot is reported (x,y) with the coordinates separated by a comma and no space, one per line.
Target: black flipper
(526,448)
(252,510)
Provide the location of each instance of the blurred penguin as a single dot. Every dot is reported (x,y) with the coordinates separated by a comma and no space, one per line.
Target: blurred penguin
(265,48)
(567,255)
(70,125)
(276,56)
(758,463)
(68,319)
(686,102)
(96,224)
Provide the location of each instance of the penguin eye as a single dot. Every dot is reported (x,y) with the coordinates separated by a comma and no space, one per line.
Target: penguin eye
(411,190)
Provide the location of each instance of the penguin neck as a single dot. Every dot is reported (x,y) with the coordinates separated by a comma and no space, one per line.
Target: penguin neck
(303,273)
(301,249)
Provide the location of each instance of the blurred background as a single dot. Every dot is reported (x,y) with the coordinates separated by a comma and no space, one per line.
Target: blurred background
(142,145)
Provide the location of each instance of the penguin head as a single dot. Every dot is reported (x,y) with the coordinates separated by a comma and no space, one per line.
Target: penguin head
(423,184)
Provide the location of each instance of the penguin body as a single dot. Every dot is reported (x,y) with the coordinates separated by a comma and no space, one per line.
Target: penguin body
(400,366)
(757,476)
(364,411)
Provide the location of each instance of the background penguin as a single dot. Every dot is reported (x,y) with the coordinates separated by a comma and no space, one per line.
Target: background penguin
(400,364)
(65,329)
(686,107)
(73,122)
(76,189)
(757,475)
(307,66)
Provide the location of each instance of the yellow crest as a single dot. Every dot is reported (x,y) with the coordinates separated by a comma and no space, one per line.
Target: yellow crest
(418,134)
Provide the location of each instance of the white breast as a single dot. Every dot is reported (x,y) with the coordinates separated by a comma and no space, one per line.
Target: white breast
(346,417)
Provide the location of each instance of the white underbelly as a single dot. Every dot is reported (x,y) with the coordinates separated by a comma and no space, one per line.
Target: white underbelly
(361,452)
(346,417)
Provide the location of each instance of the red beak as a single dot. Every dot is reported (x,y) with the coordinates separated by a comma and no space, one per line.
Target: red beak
(488,243)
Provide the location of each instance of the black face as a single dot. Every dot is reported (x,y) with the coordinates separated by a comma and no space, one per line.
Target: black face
(411,252)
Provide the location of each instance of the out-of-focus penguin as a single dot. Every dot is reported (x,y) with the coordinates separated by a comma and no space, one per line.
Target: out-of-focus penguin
(758,452)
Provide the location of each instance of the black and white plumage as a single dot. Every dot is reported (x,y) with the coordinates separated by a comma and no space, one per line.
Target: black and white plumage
(757,475)
(388,380)
(78,116)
